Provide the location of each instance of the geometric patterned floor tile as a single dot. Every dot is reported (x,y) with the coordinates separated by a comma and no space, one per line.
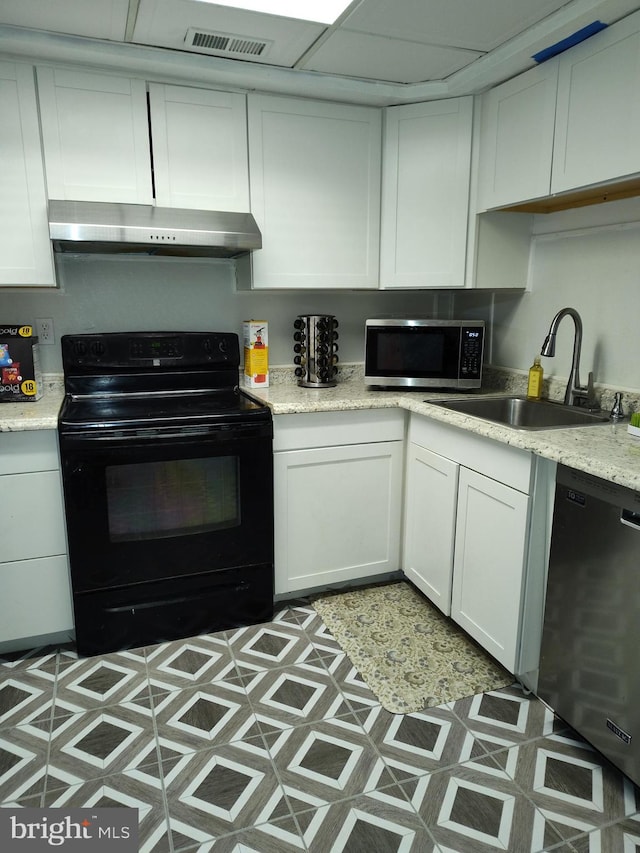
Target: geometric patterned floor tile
(267,738)
(222,790)
(201,716)
(271,646)
(98,743)
(469,812)
(508,715)
(278,836)
(92,683)
(43,659)
(571,784)
(184,663)
(121,790)
(294,695)
(326,761)
(23,764)
(365,824)
(24,696)
(422,742)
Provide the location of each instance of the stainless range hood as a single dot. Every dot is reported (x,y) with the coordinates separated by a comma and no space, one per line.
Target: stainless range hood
(101,227)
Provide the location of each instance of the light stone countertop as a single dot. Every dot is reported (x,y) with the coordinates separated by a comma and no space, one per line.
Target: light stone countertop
(605,451)
(40,414)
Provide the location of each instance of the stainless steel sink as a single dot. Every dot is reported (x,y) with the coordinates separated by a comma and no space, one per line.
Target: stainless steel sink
(521,413)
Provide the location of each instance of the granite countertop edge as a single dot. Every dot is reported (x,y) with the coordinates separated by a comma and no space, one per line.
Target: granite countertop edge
(606,451)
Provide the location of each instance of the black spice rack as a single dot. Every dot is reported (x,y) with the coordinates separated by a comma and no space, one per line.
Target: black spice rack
(316,350)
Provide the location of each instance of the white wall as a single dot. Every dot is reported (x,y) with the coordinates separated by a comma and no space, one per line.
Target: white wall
(588,259)
(117,293)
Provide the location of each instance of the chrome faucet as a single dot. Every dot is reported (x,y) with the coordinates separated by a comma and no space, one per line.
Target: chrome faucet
(575,391)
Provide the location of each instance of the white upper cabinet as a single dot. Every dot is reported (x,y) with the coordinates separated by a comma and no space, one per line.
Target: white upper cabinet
(598,118)
(200,153)
(25,247)
(516,138)
(315,193)
(425,194)
(96,137)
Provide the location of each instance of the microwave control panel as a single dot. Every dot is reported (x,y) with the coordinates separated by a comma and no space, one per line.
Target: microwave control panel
(471,345)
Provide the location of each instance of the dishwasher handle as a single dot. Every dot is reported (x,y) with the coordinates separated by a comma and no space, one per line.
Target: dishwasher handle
(630,518)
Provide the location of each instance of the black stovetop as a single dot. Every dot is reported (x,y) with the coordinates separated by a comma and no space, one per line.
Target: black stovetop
(153,379)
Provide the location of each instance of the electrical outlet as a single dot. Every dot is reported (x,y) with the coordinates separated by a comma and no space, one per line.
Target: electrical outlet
(44,331)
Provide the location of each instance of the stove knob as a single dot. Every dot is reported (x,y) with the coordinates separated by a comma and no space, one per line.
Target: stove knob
(223,346)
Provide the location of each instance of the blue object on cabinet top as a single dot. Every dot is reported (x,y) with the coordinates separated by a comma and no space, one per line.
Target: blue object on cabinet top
(569,41)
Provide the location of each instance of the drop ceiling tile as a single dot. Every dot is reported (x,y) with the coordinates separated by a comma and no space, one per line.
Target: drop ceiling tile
(369,56)
(103,19)
(164,23)
(477,25)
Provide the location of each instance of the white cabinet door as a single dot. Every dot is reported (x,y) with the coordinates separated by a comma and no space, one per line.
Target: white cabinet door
(490,548)
(315,193)
(96,136)
(516,138)
(597,135)
(200,156)
(337,514)
(425,195)
(25,247)
(431,493)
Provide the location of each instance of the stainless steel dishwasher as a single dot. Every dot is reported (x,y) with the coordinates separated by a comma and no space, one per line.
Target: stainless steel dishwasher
(590,657)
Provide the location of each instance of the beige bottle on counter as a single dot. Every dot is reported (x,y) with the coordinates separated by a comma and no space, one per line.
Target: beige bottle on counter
(536,374)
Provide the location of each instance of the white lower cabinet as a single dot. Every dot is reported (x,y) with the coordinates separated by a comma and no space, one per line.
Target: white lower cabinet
(488,563)
(34,569)
(430,518)
(338,495)
(467,505)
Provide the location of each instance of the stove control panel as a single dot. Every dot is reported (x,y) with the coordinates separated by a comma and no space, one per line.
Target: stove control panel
(151,347)
(150,350)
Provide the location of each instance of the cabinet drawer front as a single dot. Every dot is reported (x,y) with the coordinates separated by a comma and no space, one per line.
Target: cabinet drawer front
(31,450)
(509,465)
(33,520)
(36,598)
(330,429)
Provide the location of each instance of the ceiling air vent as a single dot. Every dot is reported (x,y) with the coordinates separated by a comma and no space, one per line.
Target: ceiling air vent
(226,44)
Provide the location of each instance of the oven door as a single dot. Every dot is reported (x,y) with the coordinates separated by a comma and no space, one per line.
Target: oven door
(167,504)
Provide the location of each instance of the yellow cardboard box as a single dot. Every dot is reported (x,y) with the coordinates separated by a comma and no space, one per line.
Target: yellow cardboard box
(256,353)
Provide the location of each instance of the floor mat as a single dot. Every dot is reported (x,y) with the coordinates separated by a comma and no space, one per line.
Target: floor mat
(411,656)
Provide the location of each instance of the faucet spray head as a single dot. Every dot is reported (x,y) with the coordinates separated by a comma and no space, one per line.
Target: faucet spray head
(549,345)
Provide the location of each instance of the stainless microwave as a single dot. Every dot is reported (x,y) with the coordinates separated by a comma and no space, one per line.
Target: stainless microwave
(423,353)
